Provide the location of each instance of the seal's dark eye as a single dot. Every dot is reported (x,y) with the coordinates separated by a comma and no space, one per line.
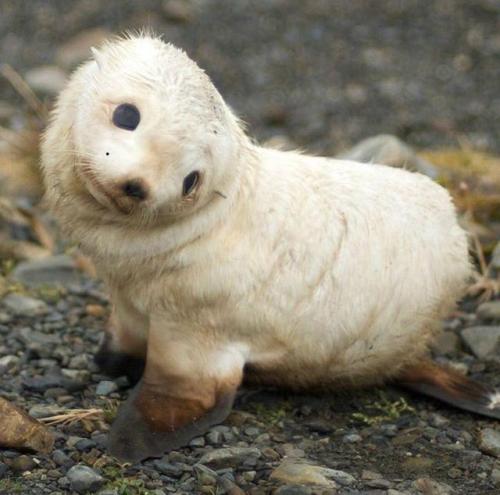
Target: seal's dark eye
(190,182)
(126,116)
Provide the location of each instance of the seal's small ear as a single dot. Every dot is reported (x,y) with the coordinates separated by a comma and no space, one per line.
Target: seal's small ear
(97,57)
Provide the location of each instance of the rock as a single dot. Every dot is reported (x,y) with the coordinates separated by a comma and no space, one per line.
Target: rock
(44,411)
(61,459)
(24,305)
(489,442)
(389,150)
(428,486)
(106,387)
(174,470)
(482,340)
(84,479)
(53,270)
(22,464)
(229,457)
(8,362)
(495,476)
(197,442)
(180,11)
(489,310)
(446,343)
(352,438)
(437,420)
(293,490)
(77,49)
(301,473)
(3,469)
(46,79)
(495,258)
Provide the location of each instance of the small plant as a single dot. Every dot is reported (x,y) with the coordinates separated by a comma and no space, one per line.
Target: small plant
(387,411)
(10,487)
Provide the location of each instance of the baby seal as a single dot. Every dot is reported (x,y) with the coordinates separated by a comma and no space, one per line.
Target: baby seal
(226,259)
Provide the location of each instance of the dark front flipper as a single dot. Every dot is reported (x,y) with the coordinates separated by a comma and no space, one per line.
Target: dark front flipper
(451,387)
(151,423)
(116,363)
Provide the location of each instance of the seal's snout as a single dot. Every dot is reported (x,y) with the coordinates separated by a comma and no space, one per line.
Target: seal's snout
(136,189)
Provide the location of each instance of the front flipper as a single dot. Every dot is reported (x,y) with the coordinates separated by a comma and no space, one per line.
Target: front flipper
(187,387)
(150,423)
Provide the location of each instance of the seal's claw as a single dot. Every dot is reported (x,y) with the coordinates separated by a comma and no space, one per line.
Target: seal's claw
(151,423)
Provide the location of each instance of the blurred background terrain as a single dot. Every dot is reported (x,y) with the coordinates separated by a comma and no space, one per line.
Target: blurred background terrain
(320,75)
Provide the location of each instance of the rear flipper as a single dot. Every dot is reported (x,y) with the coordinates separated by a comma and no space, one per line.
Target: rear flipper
(450,386)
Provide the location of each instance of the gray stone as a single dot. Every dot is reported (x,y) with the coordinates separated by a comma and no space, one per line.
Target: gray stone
(106,387)
(3,469)
(482,340)
(197,442)
(446,343)
(84,479)
(77,49)
(495,257)
(352,438)
(229,457)
(293,490)
(24,306)
(428,486)
(44,411)
(46,79)
(489,442)
(61,459)
(293,472)
(8,362)
(389,150)
(53,270)
(495,476)
(489,310)
(22,464)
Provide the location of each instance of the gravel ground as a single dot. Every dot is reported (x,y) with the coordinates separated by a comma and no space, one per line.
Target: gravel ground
(324,74)
(375,442)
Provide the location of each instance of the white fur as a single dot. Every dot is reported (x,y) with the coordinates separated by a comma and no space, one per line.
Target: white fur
(319,270)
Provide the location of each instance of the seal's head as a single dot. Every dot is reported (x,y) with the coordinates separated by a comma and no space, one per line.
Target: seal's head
(140,135)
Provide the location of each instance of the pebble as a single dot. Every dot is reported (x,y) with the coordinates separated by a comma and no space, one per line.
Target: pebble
(53,270)
(389,150)
(489,310)
(22,464)
(44,411)
(495,257)
(8,362)
(293,490)
(428,486)
(106,387)
(77,49)
(495,476)
(489,441)
(446,343)
(3,469)
(302,473)
(179,11)
(46,79)
(61,459)
(483,341)
(84,479)
(352,438)
(229,457)
(24,306)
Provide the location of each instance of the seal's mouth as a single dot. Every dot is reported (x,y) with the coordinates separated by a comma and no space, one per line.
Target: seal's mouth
(100,193)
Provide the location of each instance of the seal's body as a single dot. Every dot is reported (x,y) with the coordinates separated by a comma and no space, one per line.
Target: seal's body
(223,256)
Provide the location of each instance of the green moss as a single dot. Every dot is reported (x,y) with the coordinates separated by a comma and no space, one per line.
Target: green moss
(124,485)
(9,487)
(385,411)
(271,415)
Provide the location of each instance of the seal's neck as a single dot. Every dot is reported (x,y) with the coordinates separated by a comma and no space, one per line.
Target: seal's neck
(115,245)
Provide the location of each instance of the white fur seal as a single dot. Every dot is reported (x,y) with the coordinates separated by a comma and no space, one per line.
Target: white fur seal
(223,257)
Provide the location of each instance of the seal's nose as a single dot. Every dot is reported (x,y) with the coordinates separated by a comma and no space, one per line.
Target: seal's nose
(136,189)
